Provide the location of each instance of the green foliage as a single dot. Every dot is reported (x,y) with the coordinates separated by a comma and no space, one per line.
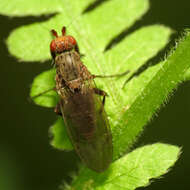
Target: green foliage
(91,30)
(128,109)
(60,140)
(45,82)
(131,171)
(27,8)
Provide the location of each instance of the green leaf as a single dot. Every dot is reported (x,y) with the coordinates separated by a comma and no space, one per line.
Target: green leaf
(42,90)
(116,102)
(187,73)
(35,8)
(128,109)
(92,30)
(136,169)
(60,140)
(131,53)
(27,8)
(145,94)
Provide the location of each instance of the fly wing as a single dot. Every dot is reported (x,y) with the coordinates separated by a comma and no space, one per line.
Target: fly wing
(88,128)
(83,112)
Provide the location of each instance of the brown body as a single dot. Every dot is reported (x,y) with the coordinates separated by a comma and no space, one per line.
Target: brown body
(83,111)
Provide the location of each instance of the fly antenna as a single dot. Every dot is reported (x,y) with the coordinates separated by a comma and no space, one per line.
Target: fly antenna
(54,33)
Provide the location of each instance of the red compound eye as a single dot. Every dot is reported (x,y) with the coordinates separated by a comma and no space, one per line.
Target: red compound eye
(53,45)
(62,43)
(54,33)
(72,40)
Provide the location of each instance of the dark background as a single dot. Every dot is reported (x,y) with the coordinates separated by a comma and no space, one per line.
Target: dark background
(27,161)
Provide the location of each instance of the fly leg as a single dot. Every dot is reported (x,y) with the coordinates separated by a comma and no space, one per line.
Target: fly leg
(57,109)
(111,76)
(40,94)
(101,93)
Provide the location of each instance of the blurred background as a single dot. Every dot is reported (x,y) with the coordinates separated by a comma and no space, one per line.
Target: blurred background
(28,162)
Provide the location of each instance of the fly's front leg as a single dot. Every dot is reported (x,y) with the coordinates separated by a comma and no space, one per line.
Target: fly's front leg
(42,93)
(101,93)
(57,109)
(111,76)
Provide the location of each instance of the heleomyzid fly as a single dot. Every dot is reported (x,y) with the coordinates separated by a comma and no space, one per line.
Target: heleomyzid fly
(83,111)
(81,105)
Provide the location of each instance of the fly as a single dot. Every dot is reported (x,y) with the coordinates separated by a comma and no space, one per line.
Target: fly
(83,111)
(81,105)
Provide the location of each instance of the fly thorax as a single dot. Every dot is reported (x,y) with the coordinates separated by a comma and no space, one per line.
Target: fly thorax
(69,69)
(74,84)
